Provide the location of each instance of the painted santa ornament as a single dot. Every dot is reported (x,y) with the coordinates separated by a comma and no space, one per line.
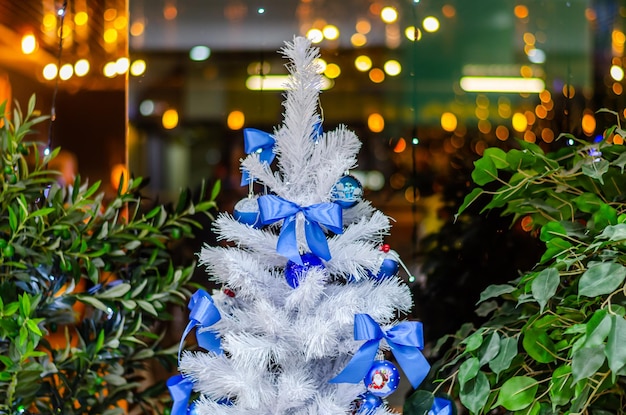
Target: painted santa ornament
(247,211)
(347,192)
(295,272)
(382,379)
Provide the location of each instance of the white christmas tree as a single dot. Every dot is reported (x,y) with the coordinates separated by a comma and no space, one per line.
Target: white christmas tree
(310,301)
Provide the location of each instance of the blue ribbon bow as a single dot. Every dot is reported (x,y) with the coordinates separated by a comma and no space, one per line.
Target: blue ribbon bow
(441,406)
(203,313)
(257,141)
(180,389)
(406,341)
(273,208)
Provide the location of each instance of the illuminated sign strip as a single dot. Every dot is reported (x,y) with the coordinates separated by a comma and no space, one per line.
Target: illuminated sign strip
(276,82)
(502,84)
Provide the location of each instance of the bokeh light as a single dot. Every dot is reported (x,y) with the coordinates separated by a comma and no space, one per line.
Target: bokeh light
(332,70)
(29,44)
(448,121)
(50,71)
(389,14)
(430,24)
(330,32)
(519,122)
(375,122)
(81,67)
(315,35)
(363,63)
(377,75)
(138,67)
(392,67)
(169,120)
(236,120)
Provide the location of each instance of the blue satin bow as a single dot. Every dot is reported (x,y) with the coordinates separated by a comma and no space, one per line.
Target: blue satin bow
(180,388)
(203,314)
(257,141)
(441,406)
(406,341)
(273,208)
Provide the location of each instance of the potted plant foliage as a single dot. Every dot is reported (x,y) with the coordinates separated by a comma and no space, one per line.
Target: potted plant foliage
(85,284)
(553,340)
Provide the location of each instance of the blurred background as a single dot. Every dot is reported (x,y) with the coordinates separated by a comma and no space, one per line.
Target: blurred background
(163,88)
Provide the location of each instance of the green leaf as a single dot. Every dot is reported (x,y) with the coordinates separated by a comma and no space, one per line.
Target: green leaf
(145,305)
(615,349)
(115,292)
(517,393)
(92,301)
(544,286)
(12,219)
(518,159)
(551,230)
(419,402)
(508,350)
(474,341)
(216,189)
(468,200)
(561,389)
(601,278)
(32,326)
(614,232)
(474,393)
(490,349)
(533,409)
(468,370)
(485,171)
(25,305)
(497,156)
(596,169)
(586,361)
(587,202)
(495,290)
(597,328)
(539,346)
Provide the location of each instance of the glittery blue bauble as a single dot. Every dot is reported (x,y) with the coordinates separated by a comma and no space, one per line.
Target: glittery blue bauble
(347,191)
(294,272)
(247,211)
(366,404)
(382,379)
(388,268)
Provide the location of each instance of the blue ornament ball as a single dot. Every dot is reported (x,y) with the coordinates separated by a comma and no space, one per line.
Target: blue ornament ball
(388,267)
(247,211)
(382,379)
(294,272)
(192,410)
(347,191)
(365,404)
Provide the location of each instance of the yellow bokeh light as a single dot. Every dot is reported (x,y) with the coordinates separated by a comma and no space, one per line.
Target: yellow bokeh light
(375,122)
(618,37)
(430,24)
(389,14)
(377,75)
(520,11)
(120,22)
(363,63)
(410,33)
(502,133)
(119,172)
(400,146)
(110,14)
(519,122)
(110,35)
(617,88)
(569,91)
(618,139)
(81,67)
(50,71)
(530,137)
(29,44)
(109,70)
(448,121)
(138,67)
(526,71)
(529,38)
(315,35)
(545,96)
(448,10)
(358,40)
(66,71)
(64,31)
(481,113)
(321,64)
(330,32)
(137,28)
(530,117)
(170,119)
(617,72)
(541,111)
(363,26)
(49,20)
(588,124)
(392,67)
(121,65)
(484,126)
(332,70)
(547,135)
(235,120)
(412,194)
(482,101)
(81,18)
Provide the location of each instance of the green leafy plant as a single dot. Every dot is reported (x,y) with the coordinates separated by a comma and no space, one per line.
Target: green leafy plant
(86,284)
(554,338)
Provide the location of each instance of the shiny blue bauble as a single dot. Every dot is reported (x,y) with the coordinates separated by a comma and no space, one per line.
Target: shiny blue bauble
(247,211)
(347,192)
(294,272)
(366,404)
(382,379)
(388,268)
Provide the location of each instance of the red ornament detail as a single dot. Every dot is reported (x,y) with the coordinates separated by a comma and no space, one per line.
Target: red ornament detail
(385,248)
(229,292)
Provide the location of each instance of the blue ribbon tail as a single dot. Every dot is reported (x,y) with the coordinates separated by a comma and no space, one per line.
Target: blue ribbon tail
(361,362)
(441,406)
(412,361)
(180,389)
(189,327)
(209,341)
(245,177)
(316,239)
(254,140)
(287,244)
